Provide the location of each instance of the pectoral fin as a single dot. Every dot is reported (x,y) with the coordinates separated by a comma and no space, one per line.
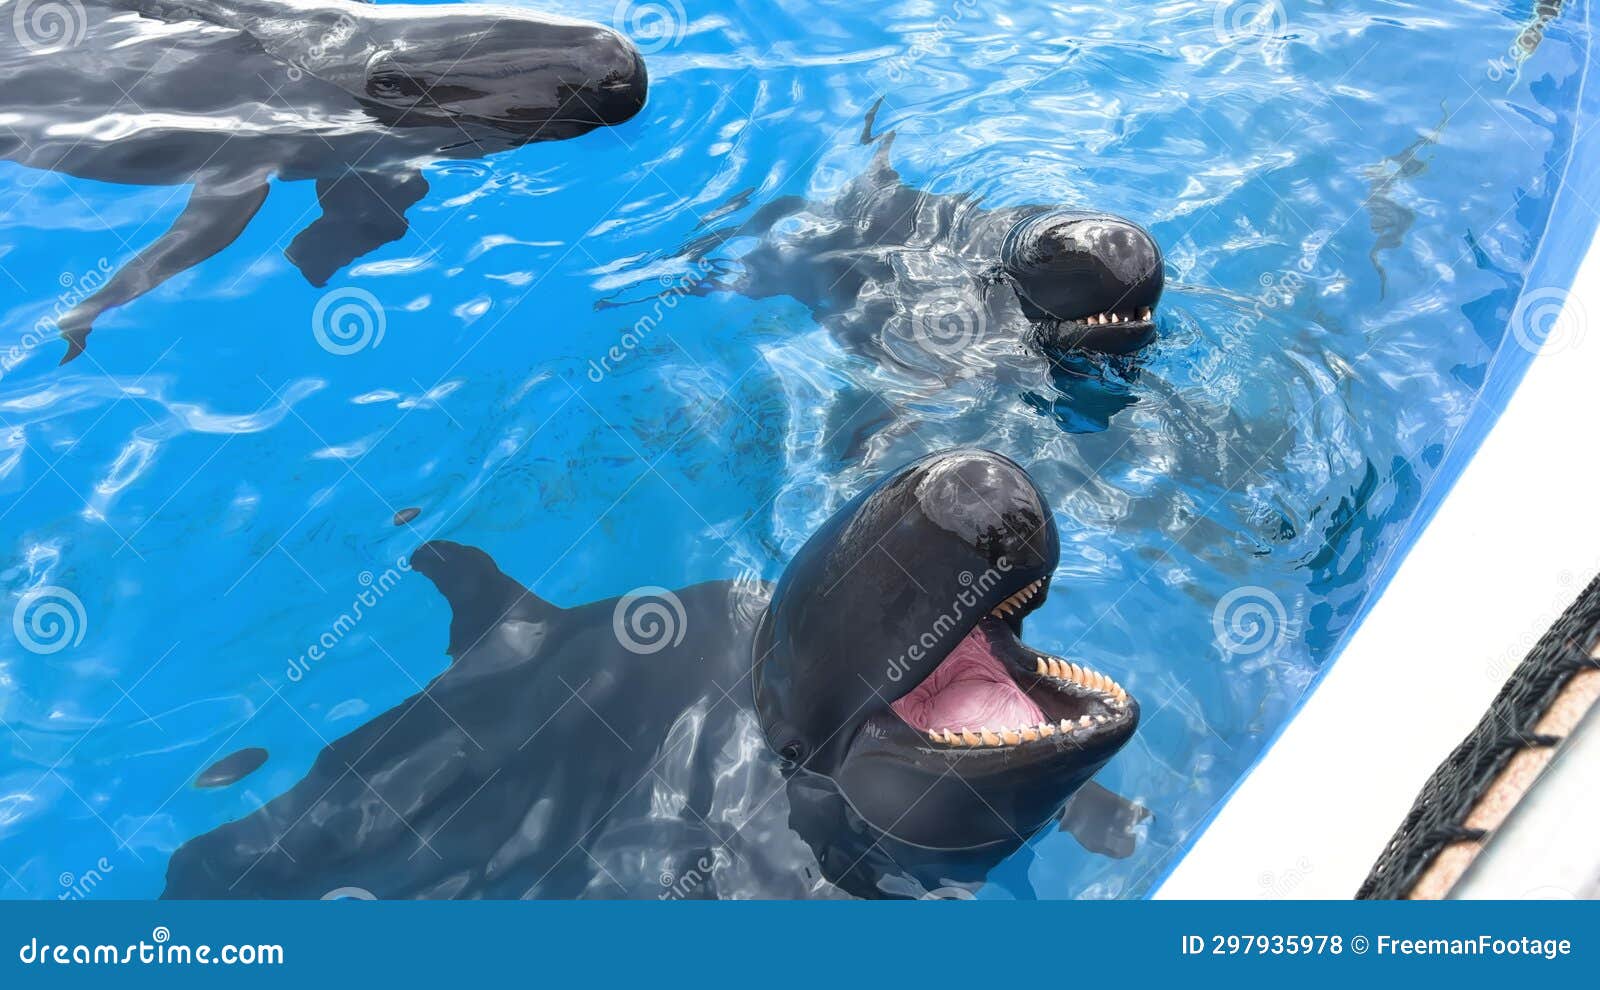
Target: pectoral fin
(213,219)
(361,212)
(1102,821)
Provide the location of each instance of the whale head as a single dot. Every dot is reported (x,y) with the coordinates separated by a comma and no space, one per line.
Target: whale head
(890,660)
(535,78)
(1088,280)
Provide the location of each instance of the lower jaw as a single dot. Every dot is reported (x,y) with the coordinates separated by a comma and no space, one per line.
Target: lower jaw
(994,802)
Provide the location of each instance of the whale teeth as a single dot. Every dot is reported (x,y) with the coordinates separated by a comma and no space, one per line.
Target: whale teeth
(986,736)
(1102,319)
(1014,604)
(1040,667)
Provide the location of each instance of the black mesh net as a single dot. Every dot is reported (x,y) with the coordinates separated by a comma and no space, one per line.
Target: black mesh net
(1435,820)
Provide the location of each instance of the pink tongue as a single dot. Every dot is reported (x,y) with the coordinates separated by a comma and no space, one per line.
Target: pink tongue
(970,689)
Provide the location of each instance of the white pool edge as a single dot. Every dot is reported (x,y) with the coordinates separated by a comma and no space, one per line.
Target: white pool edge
(1514,541)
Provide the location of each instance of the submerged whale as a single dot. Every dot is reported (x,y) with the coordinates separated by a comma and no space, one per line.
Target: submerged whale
(225,94)
(873,725)
(884,260)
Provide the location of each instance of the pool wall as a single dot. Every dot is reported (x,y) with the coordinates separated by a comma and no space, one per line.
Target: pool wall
(1506,537)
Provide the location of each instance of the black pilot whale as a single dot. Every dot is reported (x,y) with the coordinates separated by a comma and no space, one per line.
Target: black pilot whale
(872,725)
(883,259)
(223,94)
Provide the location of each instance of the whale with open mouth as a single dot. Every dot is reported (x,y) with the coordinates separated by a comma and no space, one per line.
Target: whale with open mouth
(873,725)
(225,94)
(882,262)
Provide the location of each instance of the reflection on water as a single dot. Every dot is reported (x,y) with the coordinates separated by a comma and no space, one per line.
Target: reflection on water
(210,483)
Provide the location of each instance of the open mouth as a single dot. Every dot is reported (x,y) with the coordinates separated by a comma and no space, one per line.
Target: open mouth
(1135,320)
(993,691)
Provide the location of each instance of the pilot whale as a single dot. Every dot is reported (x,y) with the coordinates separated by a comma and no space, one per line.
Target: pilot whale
(883,262)
(872,725)
(224,94)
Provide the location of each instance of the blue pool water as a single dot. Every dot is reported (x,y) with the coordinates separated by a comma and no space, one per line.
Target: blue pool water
(1347,195)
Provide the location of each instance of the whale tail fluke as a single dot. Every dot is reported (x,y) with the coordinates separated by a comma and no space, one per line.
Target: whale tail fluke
(481,596)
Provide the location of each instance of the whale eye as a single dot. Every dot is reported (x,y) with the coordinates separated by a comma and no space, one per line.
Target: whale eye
(793,753)
(387,81)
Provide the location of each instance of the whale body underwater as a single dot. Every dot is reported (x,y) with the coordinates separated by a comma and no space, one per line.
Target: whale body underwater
(225,94)
(883,264)
(849,731)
